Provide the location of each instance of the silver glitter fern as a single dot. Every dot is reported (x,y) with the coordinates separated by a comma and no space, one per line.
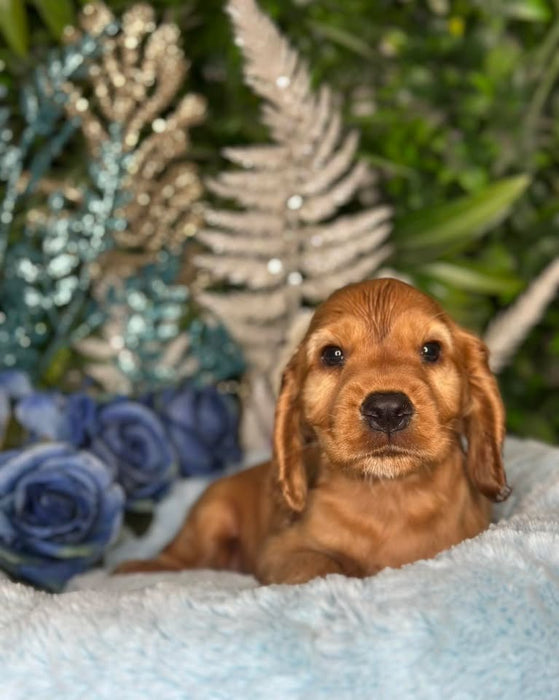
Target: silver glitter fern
(286,246)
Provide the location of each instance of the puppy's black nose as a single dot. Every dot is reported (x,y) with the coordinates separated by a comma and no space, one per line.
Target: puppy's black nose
(387,411)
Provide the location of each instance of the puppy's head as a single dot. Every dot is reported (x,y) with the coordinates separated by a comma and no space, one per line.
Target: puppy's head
(385,382)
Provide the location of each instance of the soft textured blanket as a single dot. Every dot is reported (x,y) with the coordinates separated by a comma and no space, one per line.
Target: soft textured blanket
(479,621)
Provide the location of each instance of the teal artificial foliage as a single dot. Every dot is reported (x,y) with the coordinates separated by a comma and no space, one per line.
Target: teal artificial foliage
(49,245)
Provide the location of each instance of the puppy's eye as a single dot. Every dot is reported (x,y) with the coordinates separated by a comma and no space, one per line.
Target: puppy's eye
(431,351)
(332,356)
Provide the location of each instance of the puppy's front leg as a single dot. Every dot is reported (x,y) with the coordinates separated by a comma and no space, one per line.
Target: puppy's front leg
(285,561)
(208,539)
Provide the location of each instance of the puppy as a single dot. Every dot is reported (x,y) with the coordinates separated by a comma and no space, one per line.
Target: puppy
(387,449)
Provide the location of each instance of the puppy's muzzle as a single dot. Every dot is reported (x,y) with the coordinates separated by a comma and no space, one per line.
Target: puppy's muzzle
(387,412)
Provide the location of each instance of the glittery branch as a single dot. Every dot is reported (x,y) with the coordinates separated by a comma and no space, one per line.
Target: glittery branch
(80,272)
(256,274)
(261,157)
(505,334)
(320,287)
(49,251)
(134,83)
(144,312)
(143,344)
(286,246)
(320,261)
(253,223)
(130,96)
(266,306)
(255,247)
(346,228)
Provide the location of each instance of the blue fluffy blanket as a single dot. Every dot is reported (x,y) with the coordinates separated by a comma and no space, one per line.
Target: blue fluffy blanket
(479,621)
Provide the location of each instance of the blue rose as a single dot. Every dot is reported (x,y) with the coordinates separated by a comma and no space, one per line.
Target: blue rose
(59,510)
(202,426)
(125,434)
(56,416)
(79,418)
(130,438)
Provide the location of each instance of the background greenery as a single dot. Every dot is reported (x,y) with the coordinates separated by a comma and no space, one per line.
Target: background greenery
(451,97)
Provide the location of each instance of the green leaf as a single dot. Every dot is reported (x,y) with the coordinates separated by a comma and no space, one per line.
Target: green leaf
(54,373)
(343,38)
(462,220)
(56,14)
(388,165)
(527,10)
(13,25)
(470,279)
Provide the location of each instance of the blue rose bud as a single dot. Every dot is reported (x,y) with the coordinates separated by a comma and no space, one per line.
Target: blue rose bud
(203,428)
(55,416)
(14,385)
(59,510)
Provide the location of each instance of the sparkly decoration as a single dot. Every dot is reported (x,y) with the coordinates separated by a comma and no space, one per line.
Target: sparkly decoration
(287,248)
(133,84)
(507,331)
(80,271)
(143,344)
(45,255)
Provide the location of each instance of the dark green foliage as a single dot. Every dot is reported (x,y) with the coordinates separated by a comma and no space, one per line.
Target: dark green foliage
(451,97)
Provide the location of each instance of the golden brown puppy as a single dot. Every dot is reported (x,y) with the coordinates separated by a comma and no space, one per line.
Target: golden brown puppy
(369,468)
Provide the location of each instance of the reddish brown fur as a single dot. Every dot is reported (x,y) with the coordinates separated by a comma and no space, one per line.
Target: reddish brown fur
(338,496)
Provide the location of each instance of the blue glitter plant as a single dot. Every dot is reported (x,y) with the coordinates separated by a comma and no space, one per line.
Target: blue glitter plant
(89,271)
(149,343)
(44,253)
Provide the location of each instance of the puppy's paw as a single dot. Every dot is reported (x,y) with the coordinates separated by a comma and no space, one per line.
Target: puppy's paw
(136,566)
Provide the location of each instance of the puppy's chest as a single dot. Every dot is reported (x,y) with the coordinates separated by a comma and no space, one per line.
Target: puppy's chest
(368,533)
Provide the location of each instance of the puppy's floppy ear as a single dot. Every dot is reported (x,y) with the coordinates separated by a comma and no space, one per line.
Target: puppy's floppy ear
(288,438)
(484,421)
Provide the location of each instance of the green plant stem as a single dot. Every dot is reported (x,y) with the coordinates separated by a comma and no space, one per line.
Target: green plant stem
(388,165)
(548,47)
(540,97)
